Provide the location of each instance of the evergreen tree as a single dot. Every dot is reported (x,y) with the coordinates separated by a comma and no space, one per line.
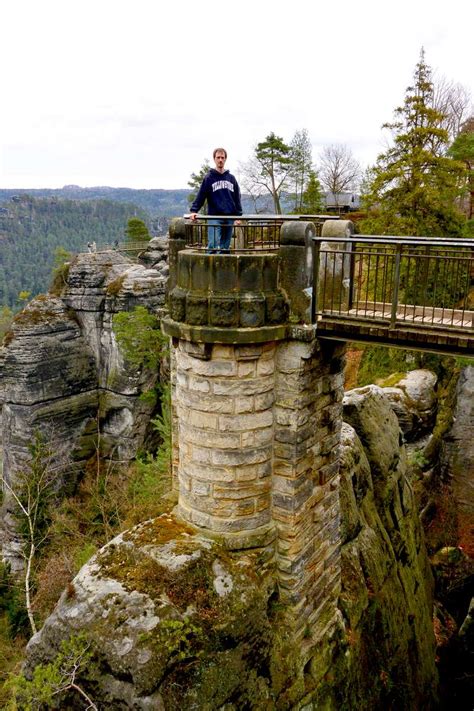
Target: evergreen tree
(414,184)
(301,166)
(137,231)
(312,199)
(463,150)
(194,183)
(273,157)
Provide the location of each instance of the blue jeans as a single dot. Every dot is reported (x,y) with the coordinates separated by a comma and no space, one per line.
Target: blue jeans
(219,234)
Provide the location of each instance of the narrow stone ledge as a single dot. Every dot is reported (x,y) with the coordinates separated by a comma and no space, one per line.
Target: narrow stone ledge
(209,334)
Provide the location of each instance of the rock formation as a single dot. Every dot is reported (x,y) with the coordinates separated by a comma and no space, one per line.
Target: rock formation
(458,455)
(62,373)
(413,400)
(176,621)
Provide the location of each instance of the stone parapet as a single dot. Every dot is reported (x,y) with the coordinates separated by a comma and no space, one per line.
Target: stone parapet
(227,290)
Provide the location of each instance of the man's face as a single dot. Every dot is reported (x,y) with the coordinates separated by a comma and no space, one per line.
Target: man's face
(219,160)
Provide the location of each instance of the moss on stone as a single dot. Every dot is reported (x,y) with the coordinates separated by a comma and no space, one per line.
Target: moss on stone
(115,286)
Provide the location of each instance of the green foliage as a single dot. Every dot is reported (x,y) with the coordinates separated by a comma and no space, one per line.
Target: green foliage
(273,157)
(413,187)
(379,362)
(195,181)
(139,337)
(61,270)
(35,489)
(151,474)
(23,297)
(301,167)
(163,425)
(462,150)
(52,683)
(182,639)
(418,460)
(12,603)
(6,318)
(137,231)
(312,198)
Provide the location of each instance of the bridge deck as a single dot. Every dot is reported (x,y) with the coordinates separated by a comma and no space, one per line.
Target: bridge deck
(441,330)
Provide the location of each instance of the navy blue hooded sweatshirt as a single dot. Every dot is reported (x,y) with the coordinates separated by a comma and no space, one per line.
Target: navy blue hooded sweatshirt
(222,193)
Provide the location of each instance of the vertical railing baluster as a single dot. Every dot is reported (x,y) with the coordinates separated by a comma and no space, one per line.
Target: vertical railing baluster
(316,248)
(396,286)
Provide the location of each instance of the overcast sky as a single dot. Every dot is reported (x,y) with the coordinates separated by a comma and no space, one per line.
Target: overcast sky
(138,93)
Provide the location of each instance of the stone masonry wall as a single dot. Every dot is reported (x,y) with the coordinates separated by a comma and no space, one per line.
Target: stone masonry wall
(308,409)
(224,397)
(258,430)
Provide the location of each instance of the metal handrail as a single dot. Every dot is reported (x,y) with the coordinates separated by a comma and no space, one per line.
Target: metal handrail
(394,280)
(252,231)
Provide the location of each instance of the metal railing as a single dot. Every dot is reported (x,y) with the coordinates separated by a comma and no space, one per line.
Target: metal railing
(253,232)
(393,280)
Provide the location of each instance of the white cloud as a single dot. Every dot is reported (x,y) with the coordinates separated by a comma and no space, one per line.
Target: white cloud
(109,92)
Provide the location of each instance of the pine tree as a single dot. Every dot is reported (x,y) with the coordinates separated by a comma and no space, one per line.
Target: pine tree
(414,184)
(274,161)
(301,166)
(462,149)
(194,183)
(137,231)
(312,199)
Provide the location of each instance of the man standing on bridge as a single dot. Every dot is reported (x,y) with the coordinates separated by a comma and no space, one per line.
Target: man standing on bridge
(222,192)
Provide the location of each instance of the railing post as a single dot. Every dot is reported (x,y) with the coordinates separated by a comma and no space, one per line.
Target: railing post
(316,249)
(396,286)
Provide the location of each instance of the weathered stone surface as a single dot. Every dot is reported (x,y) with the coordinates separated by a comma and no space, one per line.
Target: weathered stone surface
(386,580)
(377,426)
(413,400)
(61,370)
(174,622)
(458,446)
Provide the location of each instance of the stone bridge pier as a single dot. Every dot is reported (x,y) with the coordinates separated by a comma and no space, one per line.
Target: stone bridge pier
(257,401)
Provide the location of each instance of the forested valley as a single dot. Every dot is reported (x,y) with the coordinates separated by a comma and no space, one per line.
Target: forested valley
(33,228)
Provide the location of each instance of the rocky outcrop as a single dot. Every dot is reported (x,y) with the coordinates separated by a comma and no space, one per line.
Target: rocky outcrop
(387,584)
(62,373)
(458,447)
(175,621)
(413,400)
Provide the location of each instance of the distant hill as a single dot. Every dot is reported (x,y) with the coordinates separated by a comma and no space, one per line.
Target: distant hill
(163,203)
(31,229)
(157,202)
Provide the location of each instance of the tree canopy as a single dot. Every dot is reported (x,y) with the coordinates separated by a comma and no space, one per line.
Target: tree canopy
(413,186)
(137,231)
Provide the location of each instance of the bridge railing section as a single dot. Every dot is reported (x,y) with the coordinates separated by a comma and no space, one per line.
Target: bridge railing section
(249,232)
(378,279)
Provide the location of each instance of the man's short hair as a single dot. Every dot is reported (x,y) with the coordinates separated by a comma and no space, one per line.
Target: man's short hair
(216,150)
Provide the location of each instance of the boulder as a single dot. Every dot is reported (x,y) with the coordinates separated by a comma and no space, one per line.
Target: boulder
(172,619)
(413,400)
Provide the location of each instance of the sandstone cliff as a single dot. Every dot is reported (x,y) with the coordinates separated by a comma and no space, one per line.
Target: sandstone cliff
(61,372)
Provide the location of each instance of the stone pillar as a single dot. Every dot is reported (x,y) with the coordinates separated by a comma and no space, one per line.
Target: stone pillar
(335,268)
(296,252)
(258,404)
(308,407)
(226,314)
(224,396)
